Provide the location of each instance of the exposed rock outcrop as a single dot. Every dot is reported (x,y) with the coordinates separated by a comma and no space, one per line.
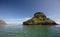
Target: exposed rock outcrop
(39,18)
(2,22)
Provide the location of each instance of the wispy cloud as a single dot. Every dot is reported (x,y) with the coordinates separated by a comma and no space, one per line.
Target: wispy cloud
(21,20)
(16,21)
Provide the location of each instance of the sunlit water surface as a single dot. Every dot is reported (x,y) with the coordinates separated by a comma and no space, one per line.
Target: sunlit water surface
(29,31)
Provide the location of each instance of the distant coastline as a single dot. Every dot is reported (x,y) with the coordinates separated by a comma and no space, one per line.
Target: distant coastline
(2,22)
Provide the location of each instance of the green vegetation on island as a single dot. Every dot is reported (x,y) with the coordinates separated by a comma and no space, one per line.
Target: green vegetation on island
(39,18)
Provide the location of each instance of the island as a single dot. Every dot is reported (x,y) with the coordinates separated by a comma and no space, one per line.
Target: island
(39,18)
(2,22)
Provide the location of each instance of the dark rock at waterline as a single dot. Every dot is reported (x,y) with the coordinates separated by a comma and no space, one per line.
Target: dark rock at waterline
(2,22)
(39,18)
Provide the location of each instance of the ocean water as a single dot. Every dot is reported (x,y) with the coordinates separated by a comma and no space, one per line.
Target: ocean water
(29,31)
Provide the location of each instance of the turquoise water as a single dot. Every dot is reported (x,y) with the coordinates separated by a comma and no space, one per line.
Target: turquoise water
(29,31)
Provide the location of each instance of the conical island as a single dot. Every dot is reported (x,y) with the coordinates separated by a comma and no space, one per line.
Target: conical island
(2,22)
(39,18)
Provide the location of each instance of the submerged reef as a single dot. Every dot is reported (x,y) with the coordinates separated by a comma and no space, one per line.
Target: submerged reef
(39,18)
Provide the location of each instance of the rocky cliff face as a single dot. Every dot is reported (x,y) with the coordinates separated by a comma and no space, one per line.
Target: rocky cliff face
(2,22)
(39,18)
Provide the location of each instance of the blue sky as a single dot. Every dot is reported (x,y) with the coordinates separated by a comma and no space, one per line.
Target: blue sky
(16,11)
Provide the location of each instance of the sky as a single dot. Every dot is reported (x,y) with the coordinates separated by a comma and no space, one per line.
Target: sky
(17,11)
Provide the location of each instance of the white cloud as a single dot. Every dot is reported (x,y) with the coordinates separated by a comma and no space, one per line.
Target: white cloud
(21,20)
(55,18)
(16,21)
